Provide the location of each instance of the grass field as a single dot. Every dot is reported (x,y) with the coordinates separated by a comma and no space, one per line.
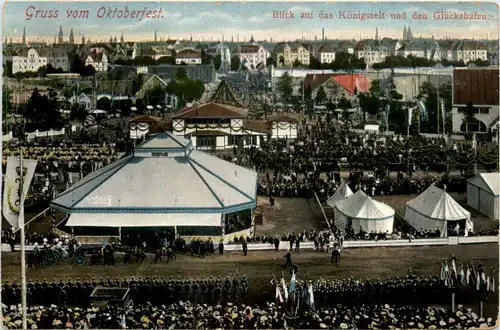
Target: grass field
(259,266)
(286,216)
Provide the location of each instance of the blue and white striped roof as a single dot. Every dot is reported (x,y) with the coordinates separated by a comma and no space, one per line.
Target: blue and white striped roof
(180,180)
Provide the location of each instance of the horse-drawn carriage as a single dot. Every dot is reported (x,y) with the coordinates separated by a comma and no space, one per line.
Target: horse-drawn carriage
(52,255)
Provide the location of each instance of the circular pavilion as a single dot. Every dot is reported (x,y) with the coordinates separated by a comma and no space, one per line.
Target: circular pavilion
(165,182)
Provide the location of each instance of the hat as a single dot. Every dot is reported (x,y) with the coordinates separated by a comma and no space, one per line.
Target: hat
(343,326)
(483,325)
(322,326)
(442,323)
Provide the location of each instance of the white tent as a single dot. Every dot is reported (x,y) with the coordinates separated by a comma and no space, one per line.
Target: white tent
(360,210)
(482,193)
(433,209)
(342,193)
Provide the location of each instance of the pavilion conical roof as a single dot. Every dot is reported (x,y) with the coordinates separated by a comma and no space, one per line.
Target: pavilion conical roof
(223,95)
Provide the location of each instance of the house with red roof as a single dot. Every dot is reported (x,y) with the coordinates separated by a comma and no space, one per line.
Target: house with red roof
(337,85)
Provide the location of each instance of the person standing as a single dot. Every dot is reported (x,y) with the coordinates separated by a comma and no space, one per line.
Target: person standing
(221,246)
(288,257)
(245,247)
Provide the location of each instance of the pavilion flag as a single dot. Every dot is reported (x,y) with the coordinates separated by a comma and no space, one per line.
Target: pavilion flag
(454,267)
(462,275)
(311,296)
(443,272)
(293,283)
(467,275)
(422,109)
(123,322)
(478,282)
(12,193)
(443,110)
(279,297)
(285,291)
(410,114)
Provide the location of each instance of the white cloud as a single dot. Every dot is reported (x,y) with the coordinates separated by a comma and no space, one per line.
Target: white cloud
(255,19)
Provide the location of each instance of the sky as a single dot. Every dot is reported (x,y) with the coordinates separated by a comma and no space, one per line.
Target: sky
(211,21)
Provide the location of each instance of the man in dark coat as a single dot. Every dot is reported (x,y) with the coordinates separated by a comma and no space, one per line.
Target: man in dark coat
(245,247)
(221,246)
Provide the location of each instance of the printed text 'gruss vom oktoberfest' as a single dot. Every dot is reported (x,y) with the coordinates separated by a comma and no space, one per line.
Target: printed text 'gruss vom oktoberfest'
(103,12)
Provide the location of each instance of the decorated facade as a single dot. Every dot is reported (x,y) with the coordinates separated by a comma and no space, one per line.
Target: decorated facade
(220,124)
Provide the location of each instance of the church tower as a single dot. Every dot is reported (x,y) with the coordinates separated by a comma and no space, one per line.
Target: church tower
(156,36)
(405,33)
(61,40)
(376,33)
(122,40)
(410,33)
(71,37)
(24,35)
(83,40)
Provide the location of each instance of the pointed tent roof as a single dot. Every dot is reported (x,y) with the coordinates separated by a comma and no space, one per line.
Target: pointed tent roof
(342,193)
(436,203)
(164,175)
(361,206)
(487,181)
(223,95)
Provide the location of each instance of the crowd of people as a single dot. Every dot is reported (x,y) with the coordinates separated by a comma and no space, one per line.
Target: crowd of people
(229,316)
(156,291)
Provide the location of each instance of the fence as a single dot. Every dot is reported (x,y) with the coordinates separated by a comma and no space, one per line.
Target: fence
(7,137)
(309,245)
(49,133)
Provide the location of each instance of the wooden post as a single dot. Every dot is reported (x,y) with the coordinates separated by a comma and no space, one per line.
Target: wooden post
(453,302)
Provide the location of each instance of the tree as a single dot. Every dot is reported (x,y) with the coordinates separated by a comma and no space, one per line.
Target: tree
(78,112)
(6,102)
(235,63)
(429,95)
(297,64)
(320,95)
(470,115)
(285,86)
(41,112)
(282,60)
(344,103)
(185,89)
(271,61)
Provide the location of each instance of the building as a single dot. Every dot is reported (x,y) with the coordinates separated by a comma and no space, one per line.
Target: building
(29,59)
(254,55)
(58,57)
(482,193)
(188,56)
(469,50)
(326,54)
(337,86)
(141,126)
(98,59)
(287,54)
(284,126)
(372,51)
(479,88)
(414,49)
(216,126)
(82,100)
(162,183)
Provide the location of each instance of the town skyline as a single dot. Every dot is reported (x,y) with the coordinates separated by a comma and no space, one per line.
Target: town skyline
(241,21)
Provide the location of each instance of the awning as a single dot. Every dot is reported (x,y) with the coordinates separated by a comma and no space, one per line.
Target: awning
(144,219)
(150,107)
(133,108)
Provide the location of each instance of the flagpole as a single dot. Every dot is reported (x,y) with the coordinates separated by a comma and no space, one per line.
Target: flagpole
(23,254)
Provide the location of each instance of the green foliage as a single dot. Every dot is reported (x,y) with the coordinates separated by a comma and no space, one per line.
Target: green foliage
(6,102)
(429,96)
(285,86)
(297,64)
(235,63)
(344,103)
(186,90)
(320,95)
(343,61)
(78,112)
(41,112)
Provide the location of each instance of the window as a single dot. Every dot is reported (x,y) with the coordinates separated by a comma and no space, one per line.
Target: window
(205,141)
